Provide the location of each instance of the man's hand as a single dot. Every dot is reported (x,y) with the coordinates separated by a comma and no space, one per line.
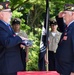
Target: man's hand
(60,15)
(22,46)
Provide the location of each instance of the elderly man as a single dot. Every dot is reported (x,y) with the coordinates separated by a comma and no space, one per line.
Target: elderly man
(10,57)
(65,50)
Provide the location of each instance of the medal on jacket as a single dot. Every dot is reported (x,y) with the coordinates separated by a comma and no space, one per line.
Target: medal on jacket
(65,36)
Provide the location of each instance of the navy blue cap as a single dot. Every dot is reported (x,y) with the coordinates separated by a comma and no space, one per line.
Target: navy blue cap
(69,7)
(16,21)
(53,22)
(4,5)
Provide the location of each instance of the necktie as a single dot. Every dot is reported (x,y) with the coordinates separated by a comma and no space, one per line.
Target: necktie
(65,33)
(9,26)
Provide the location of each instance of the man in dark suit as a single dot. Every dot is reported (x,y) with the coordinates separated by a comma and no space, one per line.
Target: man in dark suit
(65,50)
(10,58)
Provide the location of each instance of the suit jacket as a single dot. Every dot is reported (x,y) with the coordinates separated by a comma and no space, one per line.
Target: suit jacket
(65,52)
(10,59)
(61,24)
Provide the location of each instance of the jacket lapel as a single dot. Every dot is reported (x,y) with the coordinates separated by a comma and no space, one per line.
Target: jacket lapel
(2,25)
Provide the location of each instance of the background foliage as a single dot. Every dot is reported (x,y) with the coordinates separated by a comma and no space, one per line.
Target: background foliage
(32,14)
